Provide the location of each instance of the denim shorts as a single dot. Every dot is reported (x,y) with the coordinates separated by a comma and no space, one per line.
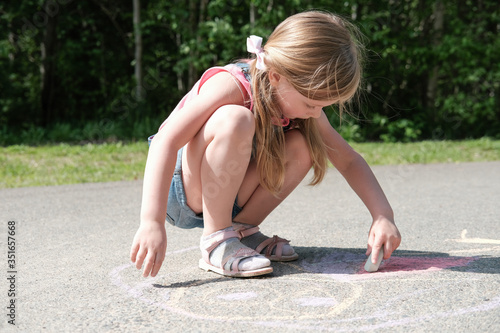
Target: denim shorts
(178,212)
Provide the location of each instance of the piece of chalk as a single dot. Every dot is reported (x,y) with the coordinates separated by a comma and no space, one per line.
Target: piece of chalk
(371,267)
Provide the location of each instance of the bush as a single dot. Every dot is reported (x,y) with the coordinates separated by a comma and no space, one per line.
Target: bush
(423,79)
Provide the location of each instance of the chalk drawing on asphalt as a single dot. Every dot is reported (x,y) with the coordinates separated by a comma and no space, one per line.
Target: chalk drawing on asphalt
(463,239)
(324,286)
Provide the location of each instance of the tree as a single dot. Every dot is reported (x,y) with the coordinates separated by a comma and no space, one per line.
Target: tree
(81,69)
(138,49)
(47,58)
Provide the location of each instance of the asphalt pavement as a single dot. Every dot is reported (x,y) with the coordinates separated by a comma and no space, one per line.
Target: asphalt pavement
(71,270)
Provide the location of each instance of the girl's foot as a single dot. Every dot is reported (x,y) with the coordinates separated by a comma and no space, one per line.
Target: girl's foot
(274,248)
(224,254)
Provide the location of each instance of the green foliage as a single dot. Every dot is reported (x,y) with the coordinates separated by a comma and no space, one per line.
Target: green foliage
(422,80)
(411,52)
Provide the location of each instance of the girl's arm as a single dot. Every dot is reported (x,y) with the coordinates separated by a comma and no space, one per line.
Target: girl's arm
(150,241)
(355,170)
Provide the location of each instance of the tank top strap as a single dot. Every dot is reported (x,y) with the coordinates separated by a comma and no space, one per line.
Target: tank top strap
(240,71)
(245,69)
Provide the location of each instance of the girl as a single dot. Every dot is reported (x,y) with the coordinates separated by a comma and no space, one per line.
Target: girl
(242,140)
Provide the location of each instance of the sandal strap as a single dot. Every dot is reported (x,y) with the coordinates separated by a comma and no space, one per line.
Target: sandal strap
(215,241)
(236,258)
(242,232)
(271,243)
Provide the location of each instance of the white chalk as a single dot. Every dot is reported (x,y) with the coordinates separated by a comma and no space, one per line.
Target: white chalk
(371,267)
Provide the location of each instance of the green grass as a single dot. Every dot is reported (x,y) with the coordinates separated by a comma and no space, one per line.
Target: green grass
(69,164)
(430,152)
(22,166)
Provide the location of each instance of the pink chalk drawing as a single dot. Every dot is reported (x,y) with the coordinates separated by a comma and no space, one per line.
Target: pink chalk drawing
(346,266)
(421,264)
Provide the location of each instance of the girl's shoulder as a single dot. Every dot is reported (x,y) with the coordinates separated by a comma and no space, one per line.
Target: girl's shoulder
(221,77)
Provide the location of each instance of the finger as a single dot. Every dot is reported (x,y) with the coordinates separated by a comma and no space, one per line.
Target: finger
(157,266)
(148,264)
(160,257)
(140,258)
(371,242)
(368,249)
(133,252)
(396,242)
(375,253)
(388,249)
(391,246)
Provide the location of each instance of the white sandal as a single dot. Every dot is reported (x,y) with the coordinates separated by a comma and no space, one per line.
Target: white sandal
(233,259)
(272,244)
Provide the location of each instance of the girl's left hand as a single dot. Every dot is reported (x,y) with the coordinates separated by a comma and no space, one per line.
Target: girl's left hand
(383,232)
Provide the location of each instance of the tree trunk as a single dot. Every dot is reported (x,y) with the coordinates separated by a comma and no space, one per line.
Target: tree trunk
(112,18)
(139,94)
(193,27)
(180,81)
(252,15)
(47,68)
(432,83)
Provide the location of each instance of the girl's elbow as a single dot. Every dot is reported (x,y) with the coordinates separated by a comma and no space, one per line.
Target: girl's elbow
(349,160)
(166,142)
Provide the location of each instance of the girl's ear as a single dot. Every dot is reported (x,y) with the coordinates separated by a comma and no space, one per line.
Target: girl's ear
(274,78)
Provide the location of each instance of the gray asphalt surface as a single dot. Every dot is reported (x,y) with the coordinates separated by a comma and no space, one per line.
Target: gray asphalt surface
(73,272)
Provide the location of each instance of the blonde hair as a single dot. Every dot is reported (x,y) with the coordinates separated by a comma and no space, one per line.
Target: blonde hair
(320,56)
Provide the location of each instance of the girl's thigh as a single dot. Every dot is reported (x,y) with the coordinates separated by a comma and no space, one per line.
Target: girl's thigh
(230,129)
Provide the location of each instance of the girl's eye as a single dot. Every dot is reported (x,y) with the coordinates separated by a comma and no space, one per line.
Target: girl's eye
(310,106)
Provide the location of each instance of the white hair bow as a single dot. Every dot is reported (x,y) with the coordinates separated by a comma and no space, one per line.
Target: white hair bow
(254,45)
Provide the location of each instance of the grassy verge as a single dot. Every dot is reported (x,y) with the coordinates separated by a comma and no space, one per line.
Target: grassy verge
(67,164)
(22,166)
(430,152)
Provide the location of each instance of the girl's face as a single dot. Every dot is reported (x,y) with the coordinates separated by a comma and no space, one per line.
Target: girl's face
(292,103)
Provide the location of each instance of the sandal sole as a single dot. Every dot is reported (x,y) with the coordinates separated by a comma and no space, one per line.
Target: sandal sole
(283,258)
(256,272)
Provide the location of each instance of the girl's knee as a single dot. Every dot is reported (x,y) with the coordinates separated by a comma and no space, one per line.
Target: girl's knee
(235,121)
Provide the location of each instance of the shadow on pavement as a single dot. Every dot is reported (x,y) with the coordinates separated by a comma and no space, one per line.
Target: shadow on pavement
(348,263)
(325,260)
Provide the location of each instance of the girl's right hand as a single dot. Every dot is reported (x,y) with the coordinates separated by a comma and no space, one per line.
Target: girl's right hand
(149,246)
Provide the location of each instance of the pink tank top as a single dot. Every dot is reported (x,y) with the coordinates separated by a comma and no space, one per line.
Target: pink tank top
(233,69)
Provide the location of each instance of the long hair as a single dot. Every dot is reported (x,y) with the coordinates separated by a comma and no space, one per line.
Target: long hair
(319,54)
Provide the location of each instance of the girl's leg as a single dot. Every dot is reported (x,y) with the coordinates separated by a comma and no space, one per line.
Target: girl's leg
(213,167)
(214,164)
(256,201)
